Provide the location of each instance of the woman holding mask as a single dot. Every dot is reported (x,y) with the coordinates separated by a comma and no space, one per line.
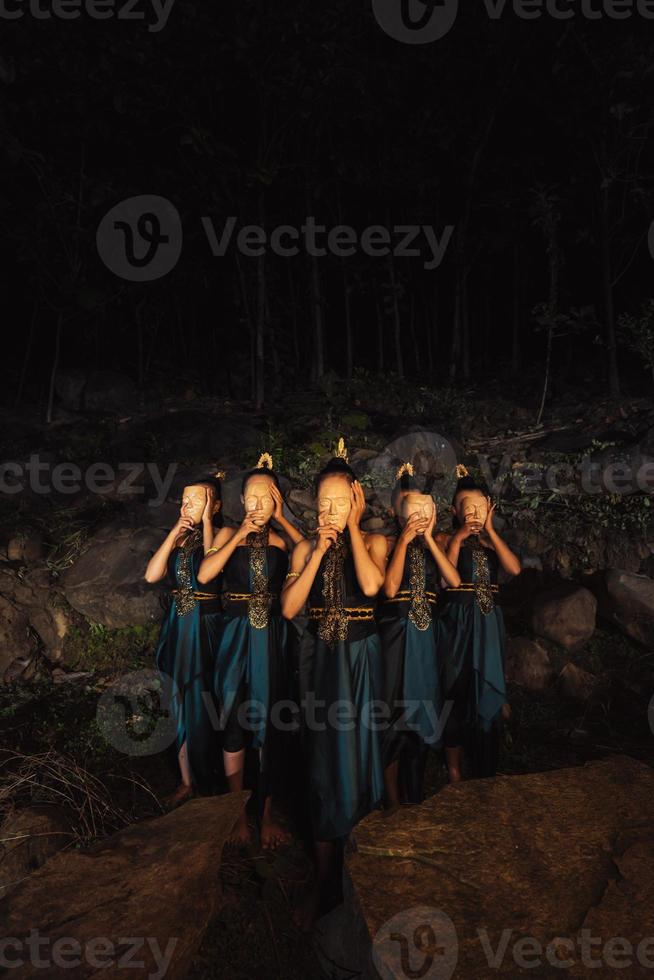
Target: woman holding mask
(475,653)
(411,638)
(250,661)
(188,634)
(338,574)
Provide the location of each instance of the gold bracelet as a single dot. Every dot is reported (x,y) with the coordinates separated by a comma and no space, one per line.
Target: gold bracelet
(293,575)
(211,551)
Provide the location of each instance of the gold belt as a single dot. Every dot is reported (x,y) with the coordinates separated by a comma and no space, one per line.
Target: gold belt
(351,612)
(405,595)
(471,587)
(197,595)
(239,596)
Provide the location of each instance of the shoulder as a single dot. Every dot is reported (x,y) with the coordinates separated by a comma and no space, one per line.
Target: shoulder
(302,551)
(223,536)
(277,541)
(377,544)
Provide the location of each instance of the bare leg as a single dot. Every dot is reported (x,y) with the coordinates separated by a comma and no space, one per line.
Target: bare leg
(272,835)
(391,786)
(453,756)
(234,763)
(185,789)
(326,852)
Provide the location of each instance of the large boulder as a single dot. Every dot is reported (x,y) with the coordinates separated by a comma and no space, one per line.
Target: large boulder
(566,617)
(627,600)
(528,664)
(575,683)
(106,582)
(16,639)
(32,614)
(155,880)
(491,877)
(96,391)
(27,839)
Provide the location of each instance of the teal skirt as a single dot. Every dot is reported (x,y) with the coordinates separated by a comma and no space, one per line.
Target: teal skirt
(341,691)
(473,677)
(184,659)
(251,685)
(412,690)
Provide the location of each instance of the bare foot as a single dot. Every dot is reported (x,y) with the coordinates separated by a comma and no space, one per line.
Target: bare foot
(272,835)
(240,836)
(306,914)
(183,793)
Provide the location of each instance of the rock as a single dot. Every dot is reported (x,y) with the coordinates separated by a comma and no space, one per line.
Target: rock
(575,683)
(424,875)
(528,664)
(191,434)
(39,608)
(627,600)
(29,548)
(106,582)
(96,391)
(157,879)
(567,618)
(302,500)
(27,839)
(16,639)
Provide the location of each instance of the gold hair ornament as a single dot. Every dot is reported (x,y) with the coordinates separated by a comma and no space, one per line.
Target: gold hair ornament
(265,462)
(404,468)
(341,451)
(219,475)
(461,471)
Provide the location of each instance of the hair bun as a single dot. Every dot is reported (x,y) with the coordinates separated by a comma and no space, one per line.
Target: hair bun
(265,462)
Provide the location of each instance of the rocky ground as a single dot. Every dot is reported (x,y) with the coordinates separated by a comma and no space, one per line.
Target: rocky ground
(75,613)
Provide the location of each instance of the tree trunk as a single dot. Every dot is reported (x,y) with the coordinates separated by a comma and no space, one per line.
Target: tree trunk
(607,284)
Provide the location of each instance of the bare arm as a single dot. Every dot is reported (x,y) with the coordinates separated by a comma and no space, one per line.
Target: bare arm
(369,564)
(508,560)
(158,564)
(449,571)
(294,534)
(305,562)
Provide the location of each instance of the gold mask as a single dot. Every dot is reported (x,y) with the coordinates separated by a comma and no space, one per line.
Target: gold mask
(334,502)
(416,503)
(472,509)
(258,497)
(194,500)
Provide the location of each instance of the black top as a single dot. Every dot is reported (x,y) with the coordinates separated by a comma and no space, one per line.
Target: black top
(236,574)
(351,590)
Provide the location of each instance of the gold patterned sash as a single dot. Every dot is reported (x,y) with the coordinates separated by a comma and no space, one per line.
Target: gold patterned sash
(333,621)
(185,598)
(419,613)
(258,602)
